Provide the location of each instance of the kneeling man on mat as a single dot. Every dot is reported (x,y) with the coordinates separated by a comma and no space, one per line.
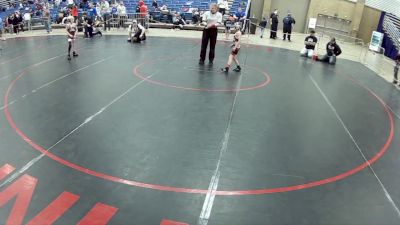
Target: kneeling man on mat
(332,50)
(310,43)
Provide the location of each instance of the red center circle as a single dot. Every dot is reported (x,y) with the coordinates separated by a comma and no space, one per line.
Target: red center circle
(104,176)
(137,73)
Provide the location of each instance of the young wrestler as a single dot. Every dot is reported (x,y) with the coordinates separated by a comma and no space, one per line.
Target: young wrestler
(72,31)
(136,32)
(235,50)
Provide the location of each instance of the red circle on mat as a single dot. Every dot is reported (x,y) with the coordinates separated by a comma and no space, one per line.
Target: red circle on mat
(104,176)
(137,73)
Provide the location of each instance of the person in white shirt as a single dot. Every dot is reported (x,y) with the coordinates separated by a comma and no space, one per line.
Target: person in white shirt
(121,11)
(70,3)
(211,20)
(105,12)
(27,18)
(223,5)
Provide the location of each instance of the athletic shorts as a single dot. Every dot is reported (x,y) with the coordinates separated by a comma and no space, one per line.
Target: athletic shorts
(235,51)
(70,39)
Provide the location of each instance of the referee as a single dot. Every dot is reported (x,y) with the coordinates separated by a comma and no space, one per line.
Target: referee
(211,20)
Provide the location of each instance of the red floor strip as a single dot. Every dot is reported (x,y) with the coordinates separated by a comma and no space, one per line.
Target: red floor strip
(100,214)
(22,189)
(55,209)
(5,170)
(170,222)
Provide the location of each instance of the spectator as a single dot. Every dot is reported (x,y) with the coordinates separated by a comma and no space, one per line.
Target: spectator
(288,22)
(74,12)
(229,24)
(98,9)
(1,29)
(143,13)
(178,21)
(310,42)
(60,17)
(92,11)
(240,15)
(263,25)
(70,3)
(138,6)
(105,12)
(27,19)
(274,24)
(195,16)
(121,11)
(9,23)
(143,9)
(66,19)
(223,6)
(84,4)
(17,23)
(155,4)
(47,20)
(114,11)
(396,71)
(164,9)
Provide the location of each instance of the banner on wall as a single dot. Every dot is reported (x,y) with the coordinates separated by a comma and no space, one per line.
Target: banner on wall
(312,23)
(376,41)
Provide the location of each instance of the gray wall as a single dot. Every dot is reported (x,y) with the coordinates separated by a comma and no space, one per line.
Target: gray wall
(256,9)
(299,9)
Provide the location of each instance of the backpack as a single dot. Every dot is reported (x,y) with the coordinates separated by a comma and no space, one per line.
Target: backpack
(287,20)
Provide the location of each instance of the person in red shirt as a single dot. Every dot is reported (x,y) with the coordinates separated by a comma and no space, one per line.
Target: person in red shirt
(74,12)
(143,13)
(143,9)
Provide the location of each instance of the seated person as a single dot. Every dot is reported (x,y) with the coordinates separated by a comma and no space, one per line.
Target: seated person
(164,9)
(310,42)
(60,17)
(155,4)
(136,32)
(229,24)
(240,15)
(332,50)
(65,20)
(178,21)
(195,16)
(165,14)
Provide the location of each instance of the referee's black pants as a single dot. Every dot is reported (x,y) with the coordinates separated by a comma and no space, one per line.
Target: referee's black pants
(208,35)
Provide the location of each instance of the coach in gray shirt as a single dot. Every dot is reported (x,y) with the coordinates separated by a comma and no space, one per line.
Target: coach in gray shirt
(211,20)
